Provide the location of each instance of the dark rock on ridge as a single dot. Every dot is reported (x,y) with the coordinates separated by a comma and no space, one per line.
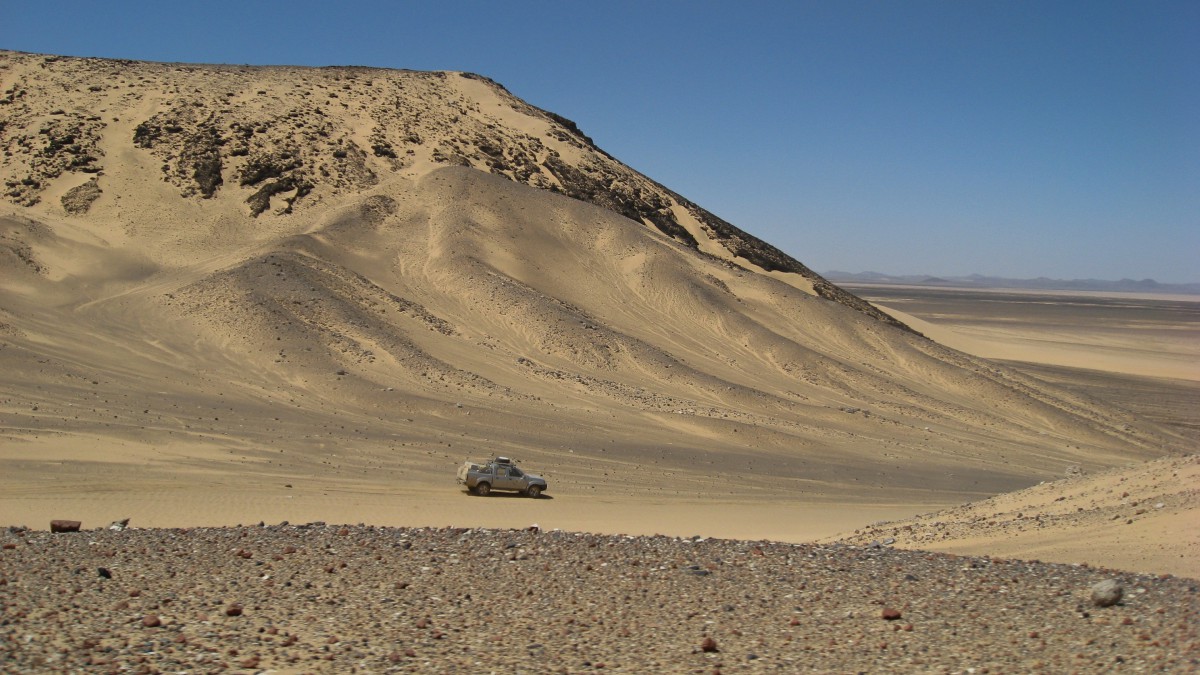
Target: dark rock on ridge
(217,123)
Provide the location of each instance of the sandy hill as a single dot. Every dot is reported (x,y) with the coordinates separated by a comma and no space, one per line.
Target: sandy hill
(241,290)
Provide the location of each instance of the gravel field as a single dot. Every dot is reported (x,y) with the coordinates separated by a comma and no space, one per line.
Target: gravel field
(330,598)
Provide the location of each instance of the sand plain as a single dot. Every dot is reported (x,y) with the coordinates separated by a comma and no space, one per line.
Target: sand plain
(1140,352)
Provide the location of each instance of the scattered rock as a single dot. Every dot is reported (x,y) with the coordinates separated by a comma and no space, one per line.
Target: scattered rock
(151,621)
(79,199)
(65,525)
(708,645)
(1107,593)
(890,614)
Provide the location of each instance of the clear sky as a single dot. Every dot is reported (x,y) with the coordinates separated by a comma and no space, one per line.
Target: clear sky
(1005,138)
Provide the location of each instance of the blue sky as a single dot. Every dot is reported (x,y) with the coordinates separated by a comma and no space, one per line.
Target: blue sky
(1010,138)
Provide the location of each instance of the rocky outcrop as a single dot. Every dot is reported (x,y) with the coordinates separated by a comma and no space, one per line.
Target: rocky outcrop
(79,199)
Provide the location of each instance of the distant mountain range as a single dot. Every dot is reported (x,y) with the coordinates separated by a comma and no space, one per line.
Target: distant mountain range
(1040,283)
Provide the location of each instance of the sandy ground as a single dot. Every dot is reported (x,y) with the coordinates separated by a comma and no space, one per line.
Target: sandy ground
(1143,516)
(387,280)
(1147,335)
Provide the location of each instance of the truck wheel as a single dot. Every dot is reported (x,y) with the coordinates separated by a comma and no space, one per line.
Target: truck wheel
(483,489)
(534,491)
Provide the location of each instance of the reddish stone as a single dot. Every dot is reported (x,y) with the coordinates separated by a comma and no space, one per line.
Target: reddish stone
(65,525)
(708,645)
(233,610)
(890,614)
(151,621)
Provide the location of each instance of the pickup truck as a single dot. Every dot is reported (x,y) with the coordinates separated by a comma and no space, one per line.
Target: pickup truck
(500,473)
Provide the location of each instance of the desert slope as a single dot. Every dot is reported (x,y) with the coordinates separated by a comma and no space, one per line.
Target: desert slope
(278,284)
(1143,515)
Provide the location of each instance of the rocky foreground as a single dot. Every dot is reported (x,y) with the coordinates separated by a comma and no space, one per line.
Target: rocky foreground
(320,598)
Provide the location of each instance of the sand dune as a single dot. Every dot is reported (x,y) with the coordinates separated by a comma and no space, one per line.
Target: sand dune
(239,294)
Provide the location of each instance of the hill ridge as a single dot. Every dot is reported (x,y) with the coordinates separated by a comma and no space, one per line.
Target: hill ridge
(275,158)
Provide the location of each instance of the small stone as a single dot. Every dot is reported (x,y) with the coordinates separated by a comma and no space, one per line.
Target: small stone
(65,525)
(708,645)
(151,621)
(233,610)
(889,614)
(1107,593)
(104,572)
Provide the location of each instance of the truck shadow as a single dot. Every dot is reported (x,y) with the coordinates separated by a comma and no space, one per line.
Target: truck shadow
(509,495)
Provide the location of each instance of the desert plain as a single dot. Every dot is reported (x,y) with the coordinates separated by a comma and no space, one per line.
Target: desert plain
(265,313)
